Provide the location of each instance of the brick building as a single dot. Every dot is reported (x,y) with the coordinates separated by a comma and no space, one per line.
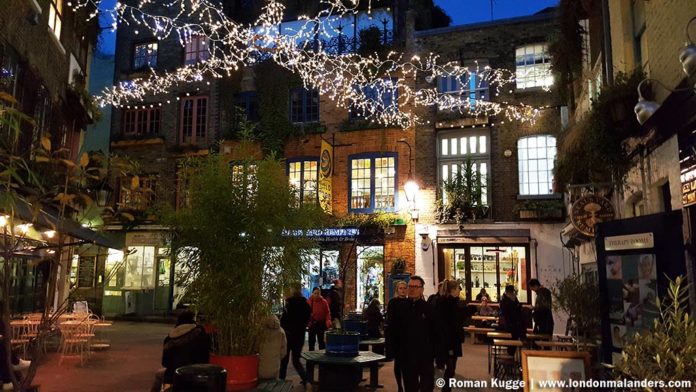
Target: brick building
(371,164)
(512,235)
(45,50)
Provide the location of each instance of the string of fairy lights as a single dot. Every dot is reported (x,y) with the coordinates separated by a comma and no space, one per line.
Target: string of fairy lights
(380,89)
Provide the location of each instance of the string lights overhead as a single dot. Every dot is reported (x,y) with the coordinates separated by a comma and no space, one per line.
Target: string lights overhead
(380,89)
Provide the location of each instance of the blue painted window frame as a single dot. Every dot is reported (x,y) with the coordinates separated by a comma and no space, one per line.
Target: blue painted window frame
(248,101)
(303,159)
(307,112)
(372,156)
(371,93)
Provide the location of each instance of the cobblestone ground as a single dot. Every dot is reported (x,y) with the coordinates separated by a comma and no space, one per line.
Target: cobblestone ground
(136,352)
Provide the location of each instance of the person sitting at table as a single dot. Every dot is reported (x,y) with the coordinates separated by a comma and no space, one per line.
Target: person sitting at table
(481,294)
(485,309)
(374,318)
(186,344)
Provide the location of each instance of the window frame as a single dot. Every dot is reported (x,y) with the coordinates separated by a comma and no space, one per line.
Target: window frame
(452,85)
(353,114)
(146,58)
(196,49)
(373,156)
(193,137)
(55,17)
(528,171)
(305,98)
(303,160)
(546,60)
(149,114)
(460,159)
(140,199)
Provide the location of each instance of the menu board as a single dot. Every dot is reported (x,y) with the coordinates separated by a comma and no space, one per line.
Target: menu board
(632,291)
(86,271)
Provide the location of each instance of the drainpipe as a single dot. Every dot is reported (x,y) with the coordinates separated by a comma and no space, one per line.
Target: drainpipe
(643,179)
(606,30)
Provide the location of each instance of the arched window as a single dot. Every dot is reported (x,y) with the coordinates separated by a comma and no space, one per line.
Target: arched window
(536,158)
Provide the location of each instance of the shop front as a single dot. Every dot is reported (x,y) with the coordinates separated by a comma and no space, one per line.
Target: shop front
(486,259)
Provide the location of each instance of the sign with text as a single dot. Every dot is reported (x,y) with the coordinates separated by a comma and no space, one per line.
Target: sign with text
(632,241)
(589,210)
(688,181)
(325,171)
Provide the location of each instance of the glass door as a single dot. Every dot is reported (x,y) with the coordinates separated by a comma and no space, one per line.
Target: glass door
(457,267)
(164,266)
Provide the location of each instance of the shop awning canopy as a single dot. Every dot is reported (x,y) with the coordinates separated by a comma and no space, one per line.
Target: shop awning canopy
(50,220)
(484,236)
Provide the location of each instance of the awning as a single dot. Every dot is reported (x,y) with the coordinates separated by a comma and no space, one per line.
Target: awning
(484,236)
(50,220)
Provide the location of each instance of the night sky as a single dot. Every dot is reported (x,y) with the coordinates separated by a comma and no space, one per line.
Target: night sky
(461,11)
(471,11)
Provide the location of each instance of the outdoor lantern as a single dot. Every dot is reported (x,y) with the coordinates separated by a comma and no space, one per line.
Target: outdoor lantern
(103,195)
(411,189)
(688,60)
(644,109)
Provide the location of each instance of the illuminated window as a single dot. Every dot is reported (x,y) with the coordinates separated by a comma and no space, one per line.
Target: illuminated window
(370,275)
(536,155)
(141,121)
(456,150)
(55,17)
(303,175)
(145,55)
(373,182)
(533,66)
(196,49)
(244,176)
(194,116)
(140,268)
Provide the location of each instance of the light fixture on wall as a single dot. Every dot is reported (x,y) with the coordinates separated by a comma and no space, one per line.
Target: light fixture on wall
(425,238)
(644,109)
(411,187)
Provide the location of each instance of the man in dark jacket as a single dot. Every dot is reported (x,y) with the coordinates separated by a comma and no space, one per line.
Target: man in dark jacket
(336,303)
(294,321)
(416,339)
(186,344)
(543,316)
(511,315)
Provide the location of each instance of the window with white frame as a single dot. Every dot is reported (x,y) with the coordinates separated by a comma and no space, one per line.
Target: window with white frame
(303,175)
(145,55)
(455,149)
(55,17)
(196,49)
(533,66)
(373,182)
(244,176)
(536,155)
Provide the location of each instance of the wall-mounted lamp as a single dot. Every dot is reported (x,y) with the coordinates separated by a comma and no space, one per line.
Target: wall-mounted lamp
(425,238)
(49,234)
(410,186)
(644,109)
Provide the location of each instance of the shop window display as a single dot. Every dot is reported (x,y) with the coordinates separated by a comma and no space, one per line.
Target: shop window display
(370,275)
(322,270)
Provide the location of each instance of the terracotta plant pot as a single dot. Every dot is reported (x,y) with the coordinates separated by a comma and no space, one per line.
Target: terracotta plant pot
(242,370)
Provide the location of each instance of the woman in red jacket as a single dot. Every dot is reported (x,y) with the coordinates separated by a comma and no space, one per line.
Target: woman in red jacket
(320,320)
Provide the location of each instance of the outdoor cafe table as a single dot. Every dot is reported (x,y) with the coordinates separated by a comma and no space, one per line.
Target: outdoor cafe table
(484,318)
(565,345)
(372,343)
(332,372)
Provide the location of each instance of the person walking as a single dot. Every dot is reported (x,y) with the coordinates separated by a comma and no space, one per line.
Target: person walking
(511,316)
(395,311)
(320,319)
(542,313)
(374,318)
(186,344)
(450,313)
(272,347)
(336,302)
(416,339)
(296,315)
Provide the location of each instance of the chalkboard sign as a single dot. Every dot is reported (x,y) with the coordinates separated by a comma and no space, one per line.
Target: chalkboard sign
(86,272)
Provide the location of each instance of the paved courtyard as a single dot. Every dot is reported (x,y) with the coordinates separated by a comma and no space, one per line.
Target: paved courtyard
(136,352)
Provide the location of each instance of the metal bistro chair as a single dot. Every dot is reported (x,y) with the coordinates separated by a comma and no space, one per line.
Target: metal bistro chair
(506,365)
(72,344)
(493,350)
(19,339)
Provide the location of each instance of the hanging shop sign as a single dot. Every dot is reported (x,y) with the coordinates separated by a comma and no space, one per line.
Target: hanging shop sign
(589,210)
(335,234)
(325,171)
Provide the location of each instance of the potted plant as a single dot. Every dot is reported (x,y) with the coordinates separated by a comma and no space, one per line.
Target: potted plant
(578,298)
(240,241)
(462,196)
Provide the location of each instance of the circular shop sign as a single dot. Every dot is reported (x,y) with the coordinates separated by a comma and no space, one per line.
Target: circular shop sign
(325,163)
(589,210)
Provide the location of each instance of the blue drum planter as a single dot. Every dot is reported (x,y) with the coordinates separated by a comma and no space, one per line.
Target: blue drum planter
(342,343)
(353,325)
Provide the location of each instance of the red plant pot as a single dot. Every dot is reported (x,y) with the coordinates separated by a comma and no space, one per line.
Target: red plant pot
(242,370)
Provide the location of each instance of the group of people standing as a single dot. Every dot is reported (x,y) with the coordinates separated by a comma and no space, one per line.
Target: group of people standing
(423,333)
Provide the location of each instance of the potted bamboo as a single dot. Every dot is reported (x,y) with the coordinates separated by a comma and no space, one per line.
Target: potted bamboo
(240,241)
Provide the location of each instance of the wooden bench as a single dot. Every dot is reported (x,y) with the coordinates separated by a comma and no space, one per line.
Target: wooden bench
(274,386)
(473,331)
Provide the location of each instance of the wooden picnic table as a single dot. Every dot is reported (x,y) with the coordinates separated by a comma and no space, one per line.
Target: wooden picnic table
(565,345)
(342,373)
(484,318)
